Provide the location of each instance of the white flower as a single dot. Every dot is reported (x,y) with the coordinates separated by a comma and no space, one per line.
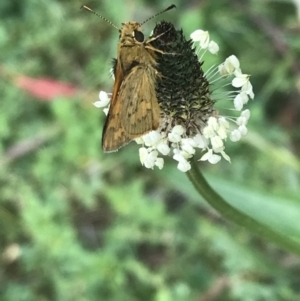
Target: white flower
(235,135)
(230,65)
(247,87)
(200,141)
(223,122)
(143,152)
(217,144)
(213,47)
(210,157)
(188,145)
(241,80)
(159,162)
(239,101)
(150,158)
(208,132)
(151,138)
(104,100)
(241,120)
(175,135)
(202,37)
(243,130)
(184,166)
(225,156)
(213,123)
(246,114)
(163,148)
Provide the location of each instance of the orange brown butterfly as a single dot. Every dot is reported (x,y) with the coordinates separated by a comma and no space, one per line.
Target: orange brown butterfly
(134,108)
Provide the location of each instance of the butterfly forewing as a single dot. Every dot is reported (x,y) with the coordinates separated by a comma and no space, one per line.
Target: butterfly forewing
(140,110)
(114,135)
(134,108)
(134,112)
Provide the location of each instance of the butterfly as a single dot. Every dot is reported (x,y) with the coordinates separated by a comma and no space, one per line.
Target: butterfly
(134,108)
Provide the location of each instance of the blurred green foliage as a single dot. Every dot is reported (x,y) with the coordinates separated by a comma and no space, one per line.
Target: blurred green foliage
(77,224)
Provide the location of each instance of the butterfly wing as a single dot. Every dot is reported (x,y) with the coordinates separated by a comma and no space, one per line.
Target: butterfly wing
(140,110)
(134,111)
(114,136)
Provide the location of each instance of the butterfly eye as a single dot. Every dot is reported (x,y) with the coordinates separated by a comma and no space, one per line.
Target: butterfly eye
(138,35)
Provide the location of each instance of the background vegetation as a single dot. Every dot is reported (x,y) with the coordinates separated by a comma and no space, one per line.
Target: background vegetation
(77,224)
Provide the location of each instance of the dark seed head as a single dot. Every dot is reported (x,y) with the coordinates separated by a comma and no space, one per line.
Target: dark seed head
(182,90)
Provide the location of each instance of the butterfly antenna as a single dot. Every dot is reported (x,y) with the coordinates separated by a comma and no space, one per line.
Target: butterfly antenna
(168,8)
(91,11)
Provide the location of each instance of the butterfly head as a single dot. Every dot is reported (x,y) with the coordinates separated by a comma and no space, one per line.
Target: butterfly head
(131,33)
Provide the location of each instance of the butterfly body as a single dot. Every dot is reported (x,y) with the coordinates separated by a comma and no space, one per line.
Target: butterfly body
(134,108)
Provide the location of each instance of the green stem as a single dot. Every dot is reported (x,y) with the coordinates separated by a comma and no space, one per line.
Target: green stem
(240,218)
